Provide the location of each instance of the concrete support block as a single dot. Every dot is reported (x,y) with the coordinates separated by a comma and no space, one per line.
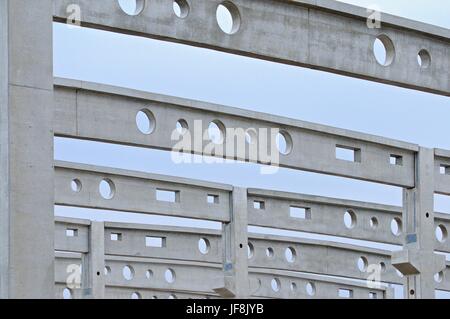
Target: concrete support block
(235,237)
(26,150)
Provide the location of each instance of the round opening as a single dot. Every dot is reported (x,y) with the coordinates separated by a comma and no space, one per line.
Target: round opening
(149,274)
(228,17)
(67,293)
(439,277)
(181,8)
(383,267)
(169,275)
(293,287)
(350,219)
(250,250)
(424,59)
(290,254)
(136,295)
(216,132)
(128,272)
(412,292)
(172,296)
(362,264)
(75,185)
(275,284)
(310,289)
(284,142)
(132,7)
(204,246)
(145,122)
(383,50)
(182,127)
(107,188)
(441,233)
(106,270)
(373,223)
(396,226)
(269,252)
(250,136)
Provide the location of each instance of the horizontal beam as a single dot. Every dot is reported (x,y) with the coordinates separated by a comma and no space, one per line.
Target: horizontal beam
(314,34)
(138,193)
(104,113)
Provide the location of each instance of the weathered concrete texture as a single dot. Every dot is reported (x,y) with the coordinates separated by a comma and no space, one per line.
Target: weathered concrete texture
(26,149)
(321,35)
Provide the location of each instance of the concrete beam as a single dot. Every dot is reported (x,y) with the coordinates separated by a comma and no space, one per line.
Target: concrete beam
(138,193)
(80,106)
(26,150)
(322,35)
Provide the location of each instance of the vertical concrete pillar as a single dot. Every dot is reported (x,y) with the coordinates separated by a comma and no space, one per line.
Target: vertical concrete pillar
(235,238)
(417,261)
(95,262)
(26,150)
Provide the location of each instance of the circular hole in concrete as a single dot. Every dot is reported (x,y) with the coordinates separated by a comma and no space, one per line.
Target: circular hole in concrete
(149,274)
(362,264)
(250,250)
(170,276)
(128,272)
(293,287)
(290,254)
(107,188)
(424,59)
(182,127)
(350,219)
(76,185)
(396,226)
(284,142)
(383,267)
(145,121)
(67,293)
(181,8)
(107,270)
(228,17)
(269,252)
(439,277)
(275,284)
(136,295)
(310,289)
(216,132)
(441,233)
(204,246)
(373,223)
(172,296)
(132,7)
(384,50)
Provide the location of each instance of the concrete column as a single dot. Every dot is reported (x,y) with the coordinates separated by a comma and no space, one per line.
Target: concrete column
(26,150)
(417,261)
(235,238)
(95,263)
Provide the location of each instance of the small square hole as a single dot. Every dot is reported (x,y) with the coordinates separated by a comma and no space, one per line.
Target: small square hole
(345,293)
(169,196)
(259,205)
(71,232)
(213,199)
(444,169)
(349,154)
(156,242)
(300,212)
(116,236)
(372,295)
(396,160)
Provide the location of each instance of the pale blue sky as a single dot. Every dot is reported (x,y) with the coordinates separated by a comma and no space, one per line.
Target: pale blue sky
(207,75)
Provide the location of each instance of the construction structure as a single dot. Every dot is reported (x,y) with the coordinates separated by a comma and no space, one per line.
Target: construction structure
(37,251)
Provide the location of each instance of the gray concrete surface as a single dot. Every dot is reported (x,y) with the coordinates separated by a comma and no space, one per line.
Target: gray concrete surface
(26,150)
